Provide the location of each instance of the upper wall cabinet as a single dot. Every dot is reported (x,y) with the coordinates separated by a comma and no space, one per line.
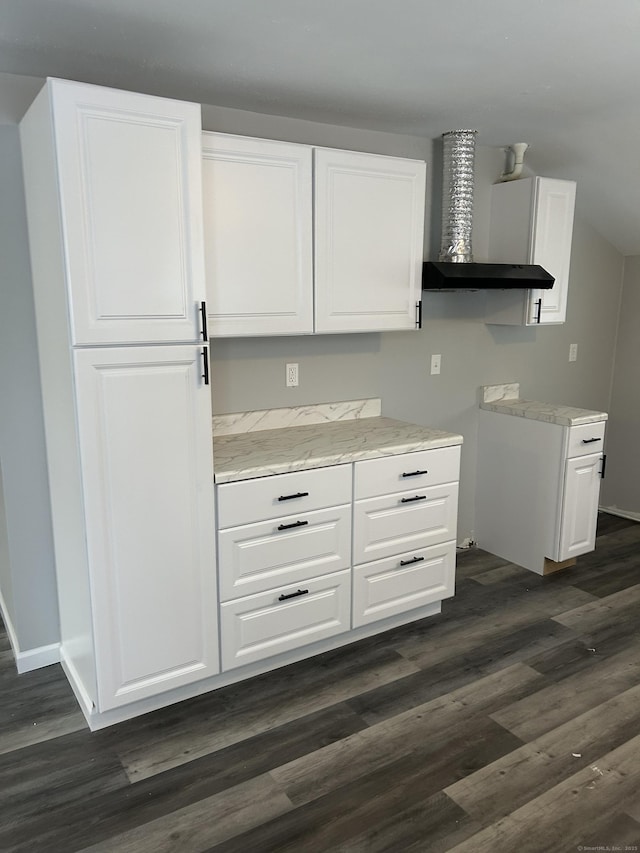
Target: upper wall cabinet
(532,222)
(258,236)
(369,222)
(128,169)
(260,227)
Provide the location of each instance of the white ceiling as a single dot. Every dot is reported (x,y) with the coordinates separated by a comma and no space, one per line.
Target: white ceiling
(562,75)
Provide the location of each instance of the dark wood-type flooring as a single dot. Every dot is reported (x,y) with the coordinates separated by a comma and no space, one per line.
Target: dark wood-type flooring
(510,722)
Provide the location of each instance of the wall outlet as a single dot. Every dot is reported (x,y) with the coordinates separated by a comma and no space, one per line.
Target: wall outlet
(292,375)
(436,361)
(573,352)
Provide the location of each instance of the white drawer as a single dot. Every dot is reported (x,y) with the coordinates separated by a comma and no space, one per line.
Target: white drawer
(407,471)
(262,556)
(404,521)
(270,623)
(282,494)
(585,439)
(397,584)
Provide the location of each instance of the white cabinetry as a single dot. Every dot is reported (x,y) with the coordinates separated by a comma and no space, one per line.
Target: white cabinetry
(284,579)
(538,489)
(114,208)
(367,230)
(532,223)
(258,245)
(369,221)
(404,544)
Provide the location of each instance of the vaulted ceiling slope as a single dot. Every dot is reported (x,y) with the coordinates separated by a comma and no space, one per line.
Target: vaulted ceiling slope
(562,75)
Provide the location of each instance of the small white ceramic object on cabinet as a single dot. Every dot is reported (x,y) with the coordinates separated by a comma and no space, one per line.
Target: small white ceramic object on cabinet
(128,174)
(258,236)
(369,221)
(531,222)
(538,488)
(404,542)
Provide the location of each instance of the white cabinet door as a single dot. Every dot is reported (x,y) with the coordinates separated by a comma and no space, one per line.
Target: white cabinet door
(260,626)
(369,222)
(531,223)
(258,236)
(129,172)
(580,506)
(551,248)
(404,582)
(147,470)
(393,524)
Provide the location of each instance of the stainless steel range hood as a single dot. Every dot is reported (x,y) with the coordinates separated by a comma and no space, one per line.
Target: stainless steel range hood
(455,269)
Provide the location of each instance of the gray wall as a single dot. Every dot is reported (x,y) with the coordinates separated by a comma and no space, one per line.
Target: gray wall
(621,487)
(27,581)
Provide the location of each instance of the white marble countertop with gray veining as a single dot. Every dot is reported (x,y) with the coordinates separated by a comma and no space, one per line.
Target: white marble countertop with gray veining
(550,412)
(247,455)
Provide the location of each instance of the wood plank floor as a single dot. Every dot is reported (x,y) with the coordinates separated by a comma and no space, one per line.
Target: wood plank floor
(510,722)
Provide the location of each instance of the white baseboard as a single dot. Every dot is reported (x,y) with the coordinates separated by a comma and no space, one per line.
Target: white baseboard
(621,513)
(38,657)
(31,658)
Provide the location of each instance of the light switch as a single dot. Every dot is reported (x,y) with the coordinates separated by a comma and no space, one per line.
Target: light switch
(435,363)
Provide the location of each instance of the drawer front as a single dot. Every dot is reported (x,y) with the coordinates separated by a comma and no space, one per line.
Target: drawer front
(375,477)
(398,584)
(261,626)
(263,556)
(402,522)
(586,439)
(282,494)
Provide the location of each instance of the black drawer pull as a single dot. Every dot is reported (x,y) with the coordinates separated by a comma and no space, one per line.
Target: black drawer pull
(412,560)
(295,524)
(590,440)
(291,497)
(417,498)
(293,594)
(414,473)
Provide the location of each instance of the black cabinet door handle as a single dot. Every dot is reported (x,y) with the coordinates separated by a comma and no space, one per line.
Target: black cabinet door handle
(414,473)
(203,312)
(604,465)
(590,440)
(205,365)
(290,526)
(293,594)
(291,497)
(417,498)
(412,560)
(539,314)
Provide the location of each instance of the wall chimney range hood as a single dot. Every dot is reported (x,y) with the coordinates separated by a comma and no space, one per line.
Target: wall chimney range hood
(455,269)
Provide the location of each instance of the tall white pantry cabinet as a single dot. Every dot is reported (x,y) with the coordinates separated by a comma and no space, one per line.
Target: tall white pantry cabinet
(114,206)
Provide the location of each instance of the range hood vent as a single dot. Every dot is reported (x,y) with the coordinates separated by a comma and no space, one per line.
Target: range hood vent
(447,276)
(455,269)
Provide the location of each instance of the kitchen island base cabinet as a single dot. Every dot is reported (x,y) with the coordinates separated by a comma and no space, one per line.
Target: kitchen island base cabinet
(538,489)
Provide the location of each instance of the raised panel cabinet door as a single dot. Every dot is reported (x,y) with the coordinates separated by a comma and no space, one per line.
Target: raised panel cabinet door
(129,172)
(580,506)
(369,222)
(258,236)
(144,419)
(551,247)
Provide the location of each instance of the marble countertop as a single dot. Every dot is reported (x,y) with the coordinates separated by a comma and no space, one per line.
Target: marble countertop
(505,399)
(278,451)
(550,412)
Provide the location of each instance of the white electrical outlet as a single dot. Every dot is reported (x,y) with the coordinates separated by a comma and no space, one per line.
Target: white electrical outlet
(436,361)
(573,352)
(292,375)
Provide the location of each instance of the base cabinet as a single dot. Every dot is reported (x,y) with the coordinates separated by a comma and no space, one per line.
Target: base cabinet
(538,488)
